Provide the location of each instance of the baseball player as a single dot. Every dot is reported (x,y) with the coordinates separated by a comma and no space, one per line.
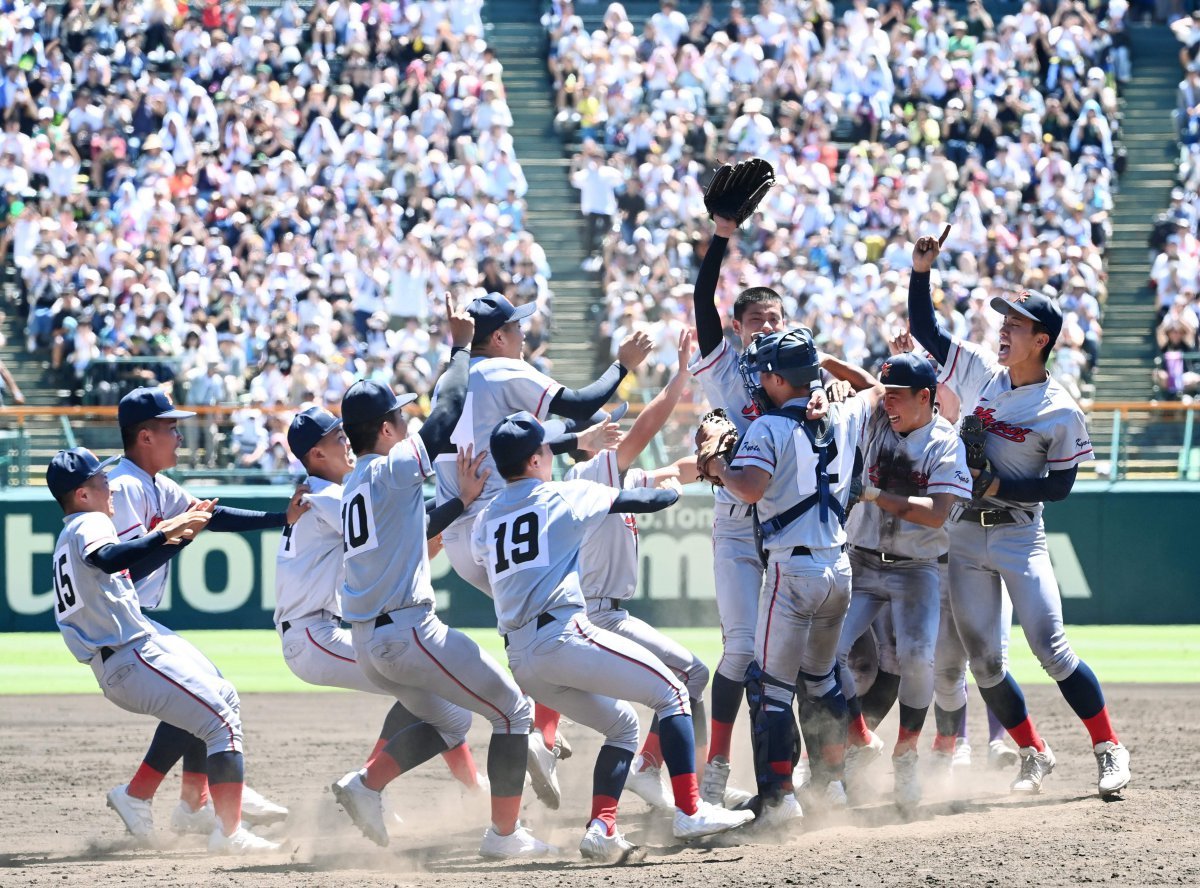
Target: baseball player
(310,573)
(914,470)
(1036,437)
(738,570)
(608,571)
(502,382)
(528,540)
(798,473)
(142,498)
(98,613)
(437,672)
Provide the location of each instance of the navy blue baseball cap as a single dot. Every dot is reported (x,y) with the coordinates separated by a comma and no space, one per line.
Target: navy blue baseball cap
(71,468)
(308,428)
(908,370)
(143,404)
(493,311)
(518,437)
(367,400)
(1035,306)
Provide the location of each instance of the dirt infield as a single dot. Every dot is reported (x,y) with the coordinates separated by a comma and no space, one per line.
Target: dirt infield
(59,755)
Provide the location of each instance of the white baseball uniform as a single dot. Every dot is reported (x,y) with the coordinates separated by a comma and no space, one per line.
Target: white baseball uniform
(102,624)
(399,641)
(738,571)
(528,538)
(608,573)
(496,388)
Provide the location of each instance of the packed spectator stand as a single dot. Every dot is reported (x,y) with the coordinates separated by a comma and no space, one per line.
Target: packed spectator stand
(883,124)
(257,207)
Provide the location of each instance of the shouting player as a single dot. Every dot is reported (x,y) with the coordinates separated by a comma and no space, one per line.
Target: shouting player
(528,539)
(1036,438)
(99,615)
(142,498)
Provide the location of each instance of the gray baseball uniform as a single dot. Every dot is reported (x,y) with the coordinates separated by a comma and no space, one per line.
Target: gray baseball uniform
(737,568)
(399,641)
(496,388)
(801,617)
(528,538)
(102,624)
(608,572)
(926,461)
(1031,430)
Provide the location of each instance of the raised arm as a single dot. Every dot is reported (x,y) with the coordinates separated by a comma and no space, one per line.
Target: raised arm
(651,420)
(922,319)
(582,404)
(709,329)
(866,385)
(643,500)
(452,387)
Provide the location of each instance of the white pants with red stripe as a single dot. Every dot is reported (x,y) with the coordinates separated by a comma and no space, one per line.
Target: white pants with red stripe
(170,640)
(588,673)
(320,652)
(148,678)
(439,674)
(686,665)
(800,616)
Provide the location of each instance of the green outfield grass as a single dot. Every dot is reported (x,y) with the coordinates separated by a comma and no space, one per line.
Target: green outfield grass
(38,662)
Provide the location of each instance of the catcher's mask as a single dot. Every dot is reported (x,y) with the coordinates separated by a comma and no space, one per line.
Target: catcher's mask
(789,353)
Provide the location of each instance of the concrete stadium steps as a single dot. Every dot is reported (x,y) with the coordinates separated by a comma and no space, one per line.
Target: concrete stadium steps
(1128,350)
(516,34)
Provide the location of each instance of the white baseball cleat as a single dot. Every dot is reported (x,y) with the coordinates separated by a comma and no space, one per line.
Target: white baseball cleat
(259,811)
(519,843)
(200,822)
(802,773)
(708,820)
(962,754)
(1001,756)
(782,814)
(365,806)
(833,796)
(1113,762)
(1035,766)
(598,845)
(542,766)
(648,785)
(858,759)
(137,814)
(907,780)
(241,842)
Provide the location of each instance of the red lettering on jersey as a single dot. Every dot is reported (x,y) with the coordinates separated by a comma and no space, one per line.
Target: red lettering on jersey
(154,522)
(999,427)
(751,411)
(915,479)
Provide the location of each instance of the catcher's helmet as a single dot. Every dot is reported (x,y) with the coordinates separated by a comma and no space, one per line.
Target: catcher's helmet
(788,353)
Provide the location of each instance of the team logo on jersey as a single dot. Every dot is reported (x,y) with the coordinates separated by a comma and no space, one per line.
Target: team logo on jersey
(891,480)
(154,522)
(999,427)
(751,411)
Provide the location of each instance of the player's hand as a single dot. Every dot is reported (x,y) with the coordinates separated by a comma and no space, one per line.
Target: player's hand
(818,404)
(184,526)
(434,546)
(839,391)
(926,250)
(687,341)
(901,343)
(462,325)
(470,481)
(603,435)
(726,227)
(670,483)
(298,504)
(635,349)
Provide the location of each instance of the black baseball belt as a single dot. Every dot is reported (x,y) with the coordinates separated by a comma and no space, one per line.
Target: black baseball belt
(992,517)
(543,620)
(889,558)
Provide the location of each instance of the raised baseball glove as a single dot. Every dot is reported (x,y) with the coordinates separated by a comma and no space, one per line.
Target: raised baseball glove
(736,191)
(974,436)
(716,436)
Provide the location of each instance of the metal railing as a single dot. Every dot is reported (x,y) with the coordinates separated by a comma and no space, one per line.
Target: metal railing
(1132,440)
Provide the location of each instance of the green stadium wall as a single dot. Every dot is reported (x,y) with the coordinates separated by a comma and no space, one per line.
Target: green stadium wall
(1124,552)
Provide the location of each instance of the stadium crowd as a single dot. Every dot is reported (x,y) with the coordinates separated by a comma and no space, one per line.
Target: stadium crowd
(258,207)
(882,124)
